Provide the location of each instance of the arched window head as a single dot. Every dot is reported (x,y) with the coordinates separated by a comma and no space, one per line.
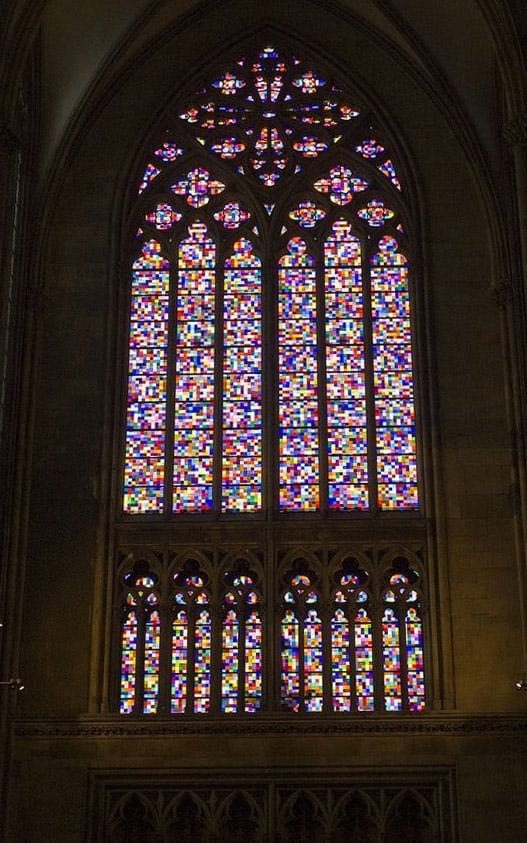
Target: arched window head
(191,642)
(402,638)
(353,685)
(270,350)
(301,641)
(140,641)
(241,649)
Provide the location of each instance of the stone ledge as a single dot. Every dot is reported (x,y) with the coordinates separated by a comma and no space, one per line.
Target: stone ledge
(148,726)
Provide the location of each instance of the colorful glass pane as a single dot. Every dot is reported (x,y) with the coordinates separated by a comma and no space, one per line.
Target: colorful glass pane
(340,662)
(393,379)
(391,655)
(242,382)
(298,380)
(202,663)
(128,663)
(387,169)
(147,373)
(369,148)
(313,694)
(232,215)
(375,213)
(307,214)
(345,371)
(198,186)
(230,662)
(309,82)
(168,151)
(151,663)
(272,107)
(364,681)
(179,686)
(341,184)
(290,678)
(310,146)
(163,217)
(148,177)
(253,661)
(415,660)
(194,376)
(229,83)
(241,653)
(228,148)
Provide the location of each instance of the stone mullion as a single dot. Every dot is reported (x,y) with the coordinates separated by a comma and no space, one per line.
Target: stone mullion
(377,608)
(165,656)
(216,672)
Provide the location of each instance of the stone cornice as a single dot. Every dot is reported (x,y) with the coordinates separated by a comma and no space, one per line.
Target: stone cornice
(143,727)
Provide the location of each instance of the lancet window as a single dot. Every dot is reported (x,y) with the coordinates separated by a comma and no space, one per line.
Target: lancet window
(270,376)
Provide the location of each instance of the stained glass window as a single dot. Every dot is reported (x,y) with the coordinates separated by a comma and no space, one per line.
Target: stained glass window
(192,639)
(352,641)
(301,634)
(337,427)
(270,378)
(191,645)
(140,646)
(402,640)
(241,646)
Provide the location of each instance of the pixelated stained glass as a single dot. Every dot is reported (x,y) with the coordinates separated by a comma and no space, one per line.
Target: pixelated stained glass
(298,379)
(163,217)
(310,146)
(260,98)
(149,175)
(391,654)
(369,148)
(387,169)
(128,664)
(393,378)
(232,215)
(242,381)
(202,664)
(191,647)
(307,214)
(301,648)
(341,185)
(151,663)
(345,377)
(229,83)
(309,82)
(241,649)
(228,148)
(147,373)
(375,213)
(179,687)
(168,151)
(194,373)
(415,659)
(197,187)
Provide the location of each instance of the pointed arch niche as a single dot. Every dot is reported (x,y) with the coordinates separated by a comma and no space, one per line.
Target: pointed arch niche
(270,455)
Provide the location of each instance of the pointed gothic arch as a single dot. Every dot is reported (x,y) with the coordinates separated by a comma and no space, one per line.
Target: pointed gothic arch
(270,377)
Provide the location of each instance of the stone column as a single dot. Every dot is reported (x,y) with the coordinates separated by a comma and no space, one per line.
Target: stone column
(511,297)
